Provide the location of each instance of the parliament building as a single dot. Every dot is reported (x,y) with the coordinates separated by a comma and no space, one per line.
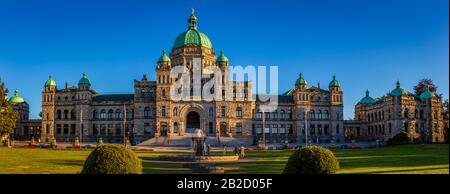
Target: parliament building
(304,113)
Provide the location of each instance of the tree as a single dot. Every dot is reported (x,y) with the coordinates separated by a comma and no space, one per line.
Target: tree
(446,119)
(418,89)
(8,116)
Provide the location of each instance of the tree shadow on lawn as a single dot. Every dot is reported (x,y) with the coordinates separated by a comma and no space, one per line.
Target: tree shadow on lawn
(67,162)
(390,161)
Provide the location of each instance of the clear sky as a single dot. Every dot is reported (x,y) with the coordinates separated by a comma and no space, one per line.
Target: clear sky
(368,44)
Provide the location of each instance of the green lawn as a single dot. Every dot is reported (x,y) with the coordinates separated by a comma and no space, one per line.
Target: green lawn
(399,159)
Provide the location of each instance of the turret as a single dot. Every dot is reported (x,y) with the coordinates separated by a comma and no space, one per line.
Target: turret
(222,60)
(301,82)
(84,83)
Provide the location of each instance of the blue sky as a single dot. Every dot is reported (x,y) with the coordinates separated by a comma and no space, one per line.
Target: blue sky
(368,44)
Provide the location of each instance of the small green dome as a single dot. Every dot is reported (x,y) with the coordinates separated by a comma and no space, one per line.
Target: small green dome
(334,82)
(367,99)
(16,98)
(398,91)
(300,80)
(50,81)
(192,36)
(164,57)
(84,80)
(426,93)
(222,57)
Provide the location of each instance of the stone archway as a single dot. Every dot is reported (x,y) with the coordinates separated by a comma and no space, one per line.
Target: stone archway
(192,122)
(192,110)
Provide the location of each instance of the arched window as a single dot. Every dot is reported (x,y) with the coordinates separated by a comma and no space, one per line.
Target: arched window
(118,114)
(289,113)
(110,114)
(175,111)
(406,113)
(72,114)
(282,115)
(211,112)
(238,112)
(147,112)
(326,114)
(66,114)
(58,114)
(129,113)
(103,114)
(275,115)
(319,114)
(163,92)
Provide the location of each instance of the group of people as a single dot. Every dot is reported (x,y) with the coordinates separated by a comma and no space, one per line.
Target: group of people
(238,151)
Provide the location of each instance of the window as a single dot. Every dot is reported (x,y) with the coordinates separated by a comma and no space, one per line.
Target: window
(119,129)
(238,112)
(319,115)
(175,112)
(319,129)
(337,129)
(390,127)
(118,114)
(239,128)
(325,114)
(325,129)
(211,113)
(282,115)
(163,111)
(66,129)
(275,115)
(103,114)
(311,114)
(258,129)
(258,114)
(58,129)
(289,113)
(274,129)
(58,114)
(110,114)
(163,93)
(146,112)
(222,111)
(72,114)
(282,128)
(66,114)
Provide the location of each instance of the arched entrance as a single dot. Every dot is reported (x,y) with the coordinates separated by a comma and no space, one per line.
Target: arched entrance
(223,129)
(192,122)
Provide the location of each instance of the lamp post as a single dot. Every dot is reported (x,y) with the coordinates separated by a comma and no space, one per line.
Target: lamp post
(264,128)
(124,124)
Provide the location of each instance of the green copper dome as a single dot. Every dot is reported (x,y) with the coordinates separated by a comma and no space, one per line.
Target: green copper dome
(84,80)
(222,57)
(50,81)
(300,80)
(334,82)
(426,93)
(164,57)
(16,98)
(367,99)
(398,91)
(192,36)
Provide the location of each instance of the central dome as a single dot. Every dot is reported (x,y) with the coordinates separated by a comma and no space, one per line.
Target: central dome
(192,36)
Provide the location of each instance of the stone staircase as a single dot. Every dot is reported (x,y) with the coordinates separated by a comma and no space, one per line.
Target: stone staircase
(186,141)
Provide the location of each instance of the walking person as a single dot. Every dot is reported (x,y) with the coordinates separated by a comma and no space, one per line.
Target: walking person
(208,149)
(224,149)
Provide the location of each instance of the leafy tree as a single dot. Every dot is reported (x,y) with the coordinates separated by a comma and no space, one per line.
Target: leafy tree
(418,89)
(446,120)
(8,116)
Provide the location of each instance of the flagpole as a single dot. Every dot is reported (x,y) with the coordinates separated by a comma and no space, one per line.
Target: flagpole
(306,128)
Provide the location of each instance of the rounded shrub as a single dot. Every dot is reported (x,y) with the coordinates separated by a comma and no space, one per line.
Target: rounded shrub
(400,138)
(112,159)
(312,160)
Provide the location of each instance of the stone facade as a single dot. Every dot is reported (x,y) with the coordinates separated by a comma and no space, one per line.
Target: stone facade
(384,117)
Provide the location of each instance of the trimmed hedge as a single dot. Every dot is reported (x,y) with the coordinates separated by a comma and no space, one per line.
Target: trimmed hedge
(312,160)
(112,159)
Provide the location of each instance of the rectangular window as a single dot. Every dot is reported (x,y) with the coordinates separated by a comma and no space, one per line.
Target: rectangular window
(274,129)
(239,128)
(258,129)
(282,129)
